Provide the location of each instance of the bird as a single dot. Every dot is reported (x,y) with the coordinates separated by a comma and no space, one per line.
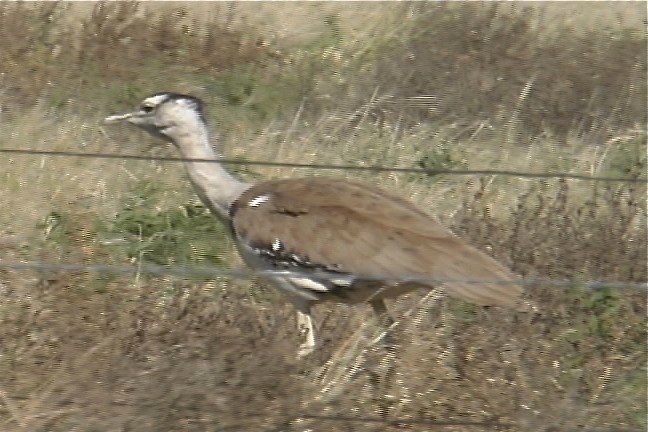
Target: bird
(328,238)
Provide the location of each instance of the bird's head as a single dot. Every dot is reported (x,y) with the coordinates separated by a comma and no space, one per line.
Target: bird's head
(168,116)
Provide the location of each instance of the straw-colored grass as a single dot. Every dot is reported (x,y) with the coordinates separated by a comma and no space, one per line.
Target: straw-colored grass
(138,353)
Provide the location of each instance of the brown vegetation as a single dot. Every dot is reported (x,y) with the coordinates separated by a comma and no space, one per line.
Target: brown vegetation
(88,351)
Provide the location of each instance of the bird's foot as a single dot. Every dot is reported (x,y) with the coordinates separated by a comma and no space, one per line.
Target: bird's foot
(305,349)
(306,334)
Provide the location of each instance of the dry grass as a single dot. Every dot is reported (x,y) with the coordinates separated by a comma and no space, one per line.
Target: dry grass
(116,353)
(142,354)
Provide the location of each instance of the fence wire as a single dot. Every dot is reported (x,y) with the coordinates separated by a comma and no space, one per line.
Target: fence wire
(184,271)
(372,168)
(205,271)
(400,422)
(404,421)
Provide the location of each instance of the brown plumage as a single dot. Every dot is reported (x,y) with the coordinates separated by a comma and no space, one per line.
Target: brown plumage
(352,228)
(354,239)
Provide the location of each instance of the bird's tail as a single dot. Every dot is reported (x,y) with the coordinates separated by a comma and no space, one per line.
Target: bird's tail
(482,280)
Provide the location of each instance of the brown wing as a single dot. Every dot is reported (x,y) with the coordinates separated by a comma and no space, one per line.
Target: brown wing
(358,229)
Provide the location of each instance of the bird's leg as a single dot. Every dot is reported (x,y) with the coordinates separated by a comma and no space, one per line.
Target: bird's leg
(448,356)
(305,329)
(384,319)
(384,375)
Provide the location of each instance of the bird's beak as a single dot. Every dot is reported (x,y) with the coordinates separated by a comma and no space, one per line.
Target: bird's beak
(117,118)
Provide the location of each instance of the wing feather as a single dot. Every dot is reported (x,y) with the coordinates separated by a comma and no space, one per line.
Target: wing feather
(362,230)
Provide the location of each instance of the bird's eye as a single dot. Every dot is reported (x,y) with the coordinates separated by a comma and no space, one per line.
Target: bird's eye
(147,108)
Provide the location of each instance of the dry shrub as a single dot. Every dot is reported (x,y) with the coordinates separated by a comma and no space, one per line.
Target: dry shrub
(119,43)
(478,61)
(167,354)
(559,235)
(125,359)
(133,36)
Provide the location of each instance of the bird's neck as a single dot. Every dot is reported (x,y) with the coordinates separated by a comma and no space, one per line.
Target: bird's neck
(216,187)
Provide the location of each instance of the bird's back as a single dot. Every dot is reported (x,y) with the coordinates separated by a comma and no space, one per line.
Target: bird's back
(354,230)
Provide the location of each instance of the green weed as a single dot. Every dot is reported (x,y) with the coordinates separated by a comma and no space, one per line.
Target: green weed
(184,235)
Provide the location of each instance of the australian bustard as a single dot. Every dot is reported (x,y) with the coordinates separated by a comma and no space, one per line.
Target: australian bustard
(336,229)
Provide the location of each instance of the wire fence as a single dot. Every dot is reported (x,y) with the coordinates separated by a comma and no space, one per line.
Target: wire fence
(215,272)
(435,424)
(184,271)
(371,168)
(205,271)
(400,422)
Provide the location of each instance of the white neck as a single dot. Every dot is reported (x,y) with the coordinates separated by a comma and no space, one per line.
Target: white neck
(216,188)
